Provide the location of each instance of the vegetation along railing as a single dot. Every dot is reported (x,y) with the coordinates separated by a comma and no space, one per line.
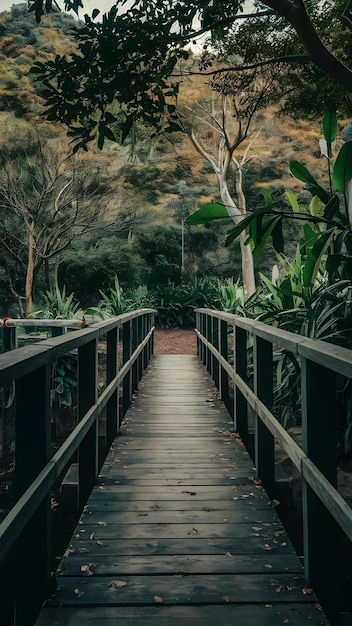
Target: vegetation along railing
(238,352)
(25,533)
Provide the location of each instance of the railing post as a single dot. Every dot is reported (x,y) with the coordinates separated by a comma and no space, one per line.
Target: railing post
(263,388)
(140,337)
(112,407)
(198,342)
(209,337)
(319,442)
(240,367)
(215,341)
(33,430)
(87,396)
(9,338)
(224,377)
(134,346)
(126,354)
(203,330)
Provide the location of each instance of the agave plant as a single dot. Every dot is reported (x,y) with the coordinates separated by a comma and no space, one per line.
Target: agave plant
(231,295)
(57,305)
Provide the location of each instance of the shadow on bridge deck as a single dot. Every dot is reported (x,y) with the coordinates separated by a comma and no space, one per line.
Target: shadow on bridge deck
(177,532)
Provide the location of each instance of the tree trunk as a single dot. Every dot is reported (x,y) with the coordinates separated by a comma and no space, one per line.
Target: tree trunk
(236,214)
(30,271)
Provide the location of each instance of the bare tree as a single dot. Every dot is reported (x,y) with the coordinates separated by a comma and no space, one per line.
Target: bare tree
(241,97)
(45,204)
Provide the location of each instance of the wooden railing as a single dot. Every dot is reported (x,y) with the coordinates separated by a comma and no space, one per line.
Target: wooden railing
(223,342)
(25,533)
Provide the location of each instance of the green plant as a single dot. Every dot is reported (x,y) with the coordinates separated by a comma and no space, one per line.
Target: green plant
(116,301)
(176,303)
(57,305)
(65,380)
(231,295)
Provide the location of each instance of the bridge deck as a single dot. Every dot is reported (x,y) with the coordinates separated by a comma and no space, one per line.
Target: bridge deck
(177,532)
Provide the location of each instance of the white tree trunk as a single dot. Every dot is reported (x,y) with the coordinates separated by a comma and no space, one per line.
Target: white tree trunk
(237,213)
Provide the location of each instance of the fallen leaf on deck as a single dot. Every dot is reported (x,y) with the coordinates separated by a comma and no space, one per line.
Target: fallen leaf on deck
(91,536)
(101,523)
(78,592)
(266,546)
(116,584)
(226,598)
(158,600)
(68,552)
(190,493)
(307,591)
(274,503)
(87,569)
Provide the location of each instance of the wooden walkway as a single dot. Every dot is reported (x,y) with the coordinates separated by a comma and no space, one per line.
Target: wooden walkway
(177,532)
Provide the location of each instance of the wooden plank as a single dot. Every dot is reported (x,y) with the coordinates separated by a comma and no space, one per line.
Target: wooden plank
(178,530)
(178,564)
(209,589)
(189,545)
(222,615)
(210,516)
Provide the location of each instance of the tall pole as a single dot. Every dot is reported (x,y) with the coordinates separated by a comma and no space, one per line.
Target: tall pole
(183,246)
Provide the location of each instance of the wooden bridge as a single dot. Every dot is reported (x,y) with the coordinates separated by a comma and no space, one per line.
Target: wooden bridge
(178,527)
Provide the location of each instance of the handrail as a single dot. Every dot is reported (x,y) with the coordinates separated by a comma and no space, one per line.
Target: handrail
(25,531)
(326,515)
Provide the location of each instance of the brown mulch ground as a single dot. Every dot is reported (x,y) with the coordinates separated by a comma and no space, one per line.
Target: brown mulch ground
(174,341)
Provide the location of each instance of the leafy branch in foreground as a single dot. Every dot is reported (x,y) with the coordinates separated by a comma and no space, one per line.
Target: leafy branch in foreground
(131,57)
(328,223)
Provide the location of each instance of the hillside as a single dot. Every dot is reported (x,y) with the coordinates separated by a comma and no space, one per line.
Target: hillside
(152,181)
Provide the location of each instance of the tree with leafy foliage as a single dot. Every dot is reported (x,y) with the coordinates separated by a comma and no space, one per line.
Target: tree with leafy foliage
(132,55)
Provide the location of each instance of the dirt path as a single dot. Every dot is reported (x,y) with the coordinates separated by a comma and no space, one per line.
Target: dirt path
(174,341)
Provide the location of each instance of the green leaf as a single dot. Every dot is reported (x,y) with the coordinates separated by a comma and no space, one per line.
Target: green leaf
(108,133)
(332,208)
(267,197)
(235,232)
(342,172)
(300,172)
(330,125)
(278,238)
(207,213)
(126,127)
(314,257)
(292,198)
(316,207)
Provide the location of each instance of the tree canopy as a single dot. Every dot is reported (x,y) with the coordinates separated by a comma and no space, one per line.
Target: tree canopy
(131,55)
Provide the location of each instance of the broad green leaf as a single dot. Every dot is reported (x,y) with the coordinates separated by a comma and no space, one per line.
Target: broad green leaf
(330,125)
(292,198)
(342,172)
(332,208)
(262,235)
(314,257)
(242,225)
(278,237)
(300,172)
(316,207)
(207,213)
(267,197)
